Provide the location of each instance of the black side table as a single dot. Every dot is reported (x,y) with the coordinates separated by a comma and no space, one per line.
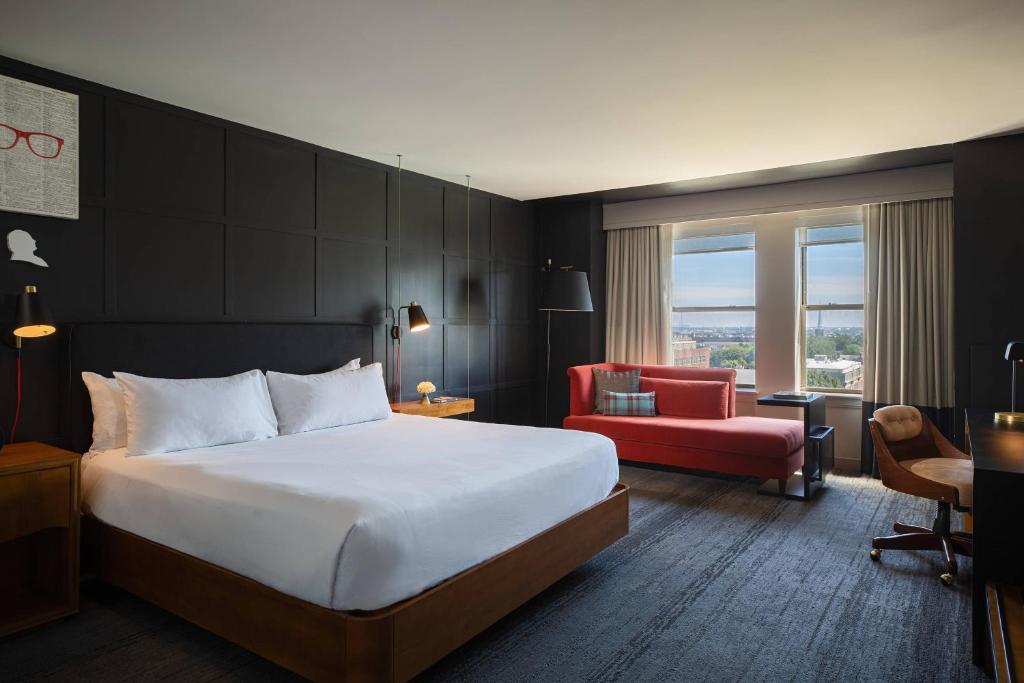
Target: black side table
(819,448)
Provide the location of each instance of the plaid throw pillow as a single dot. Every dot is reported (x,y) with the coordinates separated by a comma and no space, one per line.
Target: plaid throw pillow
(637,405)
(626,382)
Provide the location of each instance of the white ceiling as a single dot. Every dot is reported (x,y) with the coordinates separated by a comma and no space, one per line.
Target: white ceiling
(537,98)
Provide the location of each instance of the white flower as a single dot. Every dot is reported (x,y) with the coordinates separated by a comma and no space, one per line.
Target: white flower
(425,388)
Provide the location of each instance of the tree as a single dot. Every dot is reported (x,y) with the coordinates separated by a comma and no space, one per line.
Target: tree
(821,346)
(835,345)
(736,356)
(822,379)
(849,344)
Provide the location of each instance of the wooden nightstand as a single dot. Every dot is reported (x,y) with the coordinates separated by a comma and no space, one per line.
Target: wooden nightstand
(459,407)
(39,520)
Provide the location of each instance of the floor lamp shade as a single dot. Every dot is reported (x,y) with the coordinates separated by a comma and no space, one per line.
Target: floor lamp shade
(566,290)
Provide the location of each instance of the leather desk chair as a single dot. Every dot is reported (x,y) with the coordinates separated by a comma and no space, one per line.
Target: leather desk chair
(914,458)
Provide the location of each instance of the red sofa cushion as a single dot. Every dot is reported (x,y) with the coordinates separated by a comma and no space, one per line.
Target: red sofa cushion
(689,397)
(581,381)
(633,405)
(759,436)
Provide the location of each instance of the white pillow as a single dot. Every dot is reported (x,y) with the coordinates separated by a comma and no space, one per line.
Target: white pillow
(332,399)
(347,367)
(174,414)
(109,425)
(286,393)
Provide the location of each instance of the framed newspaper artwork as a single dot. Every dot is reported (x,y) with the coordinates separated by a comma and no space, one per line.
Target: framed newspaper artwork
(38,149)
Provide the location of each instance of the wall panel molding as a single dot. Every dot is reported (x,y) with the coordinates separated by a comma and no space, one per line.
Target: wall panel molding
(191,217)
(989,242)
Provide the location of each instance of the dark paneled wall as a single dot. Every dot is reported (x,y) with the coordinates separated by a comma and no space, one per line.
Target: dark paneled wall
(189,217)
(989,218)
(571,233)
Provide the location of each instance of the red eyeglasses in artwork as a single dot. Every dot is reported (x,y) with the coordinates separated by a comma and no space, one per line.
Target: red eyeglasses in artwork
(43,145)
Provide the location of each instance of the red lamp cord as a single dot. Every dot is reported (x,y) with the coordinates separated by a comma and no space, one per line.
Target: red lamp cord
(17,400)
(398,371)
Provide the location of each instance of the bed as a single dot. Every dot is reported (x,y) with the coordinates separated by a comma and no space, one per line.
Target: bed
(365,552)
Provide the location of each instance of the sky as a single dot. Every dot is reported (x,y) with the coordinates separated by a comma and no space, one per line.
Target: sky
(834,275)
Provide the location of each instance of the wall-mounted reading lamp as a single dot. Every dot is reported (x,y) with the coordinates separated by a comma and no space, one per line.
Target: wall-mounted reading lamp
(32,319)
(417,323)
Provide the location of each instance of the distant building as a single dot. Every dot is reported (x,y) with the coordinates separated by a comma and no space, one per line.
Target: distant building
(848,373)
(687,354)
(745,377)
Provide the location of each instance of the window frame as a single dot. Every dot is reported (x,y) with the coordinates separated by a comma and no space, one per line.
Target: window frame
(747,230)
(806,307)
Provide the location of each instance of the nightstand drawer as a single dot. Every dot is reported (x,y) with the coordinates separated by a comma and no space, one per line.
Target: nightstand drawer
(32,501)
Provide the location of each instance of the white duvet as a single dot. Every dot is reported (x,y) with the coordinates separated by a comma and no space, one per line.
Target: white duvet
(356,517)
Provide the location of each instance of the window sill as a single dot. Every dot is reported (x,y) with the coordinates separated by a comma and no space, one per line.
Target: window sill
(843,400)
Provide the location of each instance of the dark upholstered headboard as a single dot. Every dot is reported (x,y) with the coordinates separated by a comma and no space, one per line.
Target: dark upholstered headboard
(187,350)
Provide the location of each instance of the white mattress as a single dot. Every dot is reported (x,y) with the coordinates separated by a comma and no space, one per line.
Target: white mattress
(356,517)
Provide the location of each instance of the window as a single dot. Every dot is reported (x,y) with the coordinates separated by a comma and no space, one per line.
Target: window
(832,308)
(713,303)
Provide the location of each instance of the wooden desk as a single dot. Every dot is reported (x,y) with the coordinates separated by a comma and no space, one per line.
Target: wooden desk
(39,520)
(998,452)
(459,407)
(1006,630)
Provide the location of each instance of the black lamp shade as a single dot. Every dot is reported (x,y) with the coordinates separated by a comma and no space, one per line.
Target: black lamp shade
(1015,351)
(566,290)
(417,318)
(33,318)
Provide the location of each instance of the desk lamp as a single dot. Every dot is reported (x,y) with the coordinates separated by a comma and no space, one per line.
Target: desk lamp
(1014,354)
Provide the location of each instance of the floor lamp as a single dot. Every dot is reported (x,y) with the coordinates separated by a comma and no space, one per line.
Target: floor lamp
(564,290)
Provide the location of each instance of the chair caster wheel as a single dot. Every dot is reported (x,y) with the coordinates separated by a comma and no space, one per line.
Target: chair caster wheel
(876,554)
(947,579)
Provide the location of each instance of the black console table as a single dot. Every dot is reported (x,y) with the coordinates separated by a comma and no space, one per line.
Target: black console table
(819,448)
(998,453)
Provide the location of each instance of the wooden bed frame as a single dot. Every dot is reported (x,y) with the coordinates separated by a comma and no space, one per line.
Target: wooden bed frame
(391,644)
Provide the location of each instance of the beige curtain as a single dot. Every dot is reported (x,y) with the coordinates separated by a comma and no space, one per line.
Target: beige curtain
(639,283)
(908,309)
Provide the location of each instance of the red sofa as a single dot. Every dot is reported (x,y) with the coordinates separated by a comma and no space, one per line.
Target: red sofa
(702,433)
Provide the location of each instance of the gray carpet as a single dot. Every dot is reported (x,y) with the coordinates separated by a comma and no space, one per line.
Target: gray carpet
(713,583)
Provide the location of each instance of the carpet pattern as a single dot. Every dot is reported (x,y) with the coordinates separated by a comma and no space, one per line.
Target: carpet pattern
(713,583)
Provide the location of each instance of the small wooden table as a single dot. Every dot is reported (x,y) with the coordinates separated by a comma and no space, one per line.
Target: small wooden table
(461,406)
(39,523)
